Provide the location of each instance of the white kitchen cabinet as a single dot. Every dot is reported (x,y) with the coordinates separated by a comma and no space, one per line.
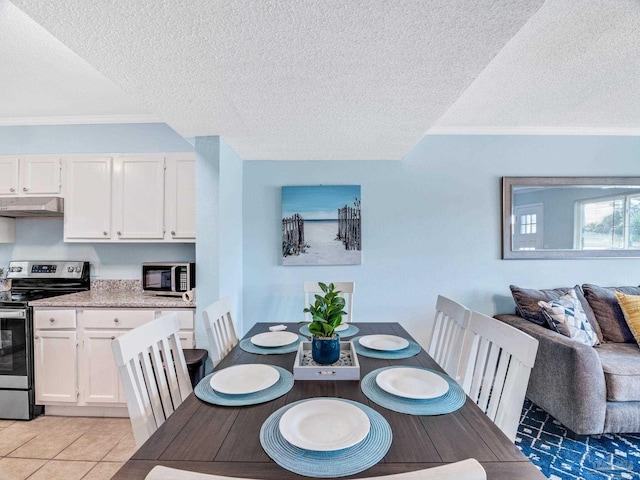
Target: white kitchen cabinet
(180,207)
(7,230)
(87,198)
(130,198)
(186,333)
(138,200)
(55,341)
(30,175)
(95,387)
(99,380)
(9,176)
(55,366)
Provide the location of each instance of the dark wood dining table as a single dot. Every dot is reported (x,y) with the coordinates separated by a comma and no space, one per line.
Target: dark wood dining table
(207,438)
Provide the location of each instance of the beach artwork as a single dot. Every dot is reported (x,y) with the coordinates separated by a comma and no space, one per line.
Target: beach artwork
(321,225)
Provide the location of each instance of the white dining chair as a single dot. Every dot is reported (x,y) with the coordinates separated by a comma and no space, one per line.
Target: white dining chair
(346,289)
(153,372)
(469,469)
(497,360)
(221,332)
(447,335)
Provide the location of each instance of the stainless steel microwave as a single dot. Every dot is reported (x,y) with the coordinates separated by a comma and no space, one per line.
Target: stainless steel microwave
(168,278)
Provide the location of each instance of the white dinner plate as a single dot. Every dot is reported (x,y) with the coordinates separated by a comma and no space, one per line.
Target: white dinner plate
(243,379)
(384,342)
(324,425)
(274,339)
(412,383)
(341,327)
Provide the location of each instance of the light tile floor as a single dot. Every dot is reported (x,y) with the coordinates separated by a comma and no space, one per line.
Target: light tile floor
(69,448)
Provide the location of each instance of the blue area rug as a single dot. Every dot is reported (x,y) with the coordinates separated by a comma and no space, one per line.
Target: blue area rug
(607,457)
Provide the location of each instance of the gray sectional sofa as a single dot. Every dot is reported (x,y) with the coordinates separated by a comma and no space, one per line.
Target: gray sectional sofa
(589,389)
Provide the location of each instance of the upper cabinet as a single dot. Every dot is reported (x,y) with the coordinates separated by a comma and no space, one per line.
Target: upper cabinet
(130,198)
(30,175)
(138,197)
(87,198)
(180,206)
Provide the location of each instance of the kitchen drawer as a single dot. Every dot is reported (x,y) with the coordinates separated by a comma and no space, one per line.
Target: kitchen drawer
(185,317)
(115,318)
(55,319)
(186,339)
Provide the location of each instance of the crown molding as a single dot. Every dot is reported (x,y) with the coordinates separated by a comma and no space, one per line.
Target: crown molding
(584,131)
(78,120)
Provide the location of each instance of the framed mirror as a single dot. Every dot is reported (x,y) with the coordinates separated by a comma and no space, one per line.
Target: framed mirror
(570,217)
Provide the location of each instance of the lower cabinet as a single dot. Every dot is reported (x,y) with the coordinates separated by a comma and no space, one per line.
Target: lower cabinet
(74,363)
(99,379)
(56,366)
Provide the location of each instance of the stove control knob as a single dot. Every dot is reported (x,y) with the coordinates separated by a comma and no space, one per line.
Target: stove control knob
(77,269)
(70,269)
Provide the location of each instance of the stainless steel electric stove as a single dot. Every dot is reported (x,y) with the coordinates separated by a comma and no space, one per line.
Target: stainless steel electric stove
(29,280)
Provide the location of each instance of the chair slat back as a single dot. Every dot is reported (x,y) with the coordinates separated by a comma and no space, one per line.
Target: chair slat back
(154,373)
(496,362)
(221,332)
(447,335)
(346,289)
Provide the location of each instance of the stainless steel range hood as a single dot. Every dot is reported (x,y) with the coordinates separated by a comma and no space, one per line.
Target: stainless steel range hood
(31,207)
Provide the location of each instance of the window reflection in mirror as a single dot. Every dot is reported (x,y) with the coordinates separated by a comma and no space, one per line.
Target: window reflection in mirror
(571,217)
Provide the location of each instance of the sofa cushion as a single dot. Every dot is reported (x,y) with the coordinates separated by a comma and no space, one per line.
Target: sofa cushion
(566,316)
(608,313)
(527,299)
(630,306)
(621,366)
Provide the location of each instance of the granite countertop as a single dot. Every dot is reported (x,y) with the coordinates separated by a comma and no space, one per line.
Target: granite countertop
(113,294)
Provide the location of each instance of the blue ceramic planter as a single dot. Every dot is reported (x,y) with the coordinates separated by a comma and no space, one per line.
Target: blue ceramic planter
(325,351)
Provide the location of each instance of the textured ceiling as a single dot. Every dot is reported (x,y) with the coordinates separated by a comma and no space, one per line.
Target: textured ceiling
(574,67)
(41,78)
(331,79)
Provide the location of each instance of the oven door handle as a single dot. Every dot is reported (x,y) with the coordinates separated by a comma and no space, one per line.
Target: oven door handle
(13,313)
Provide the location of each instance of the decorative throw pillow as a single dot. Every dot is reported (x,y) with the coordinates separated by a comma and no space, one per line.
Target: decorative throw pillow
(527,299)
(607,310)
(566,316)
(630,305)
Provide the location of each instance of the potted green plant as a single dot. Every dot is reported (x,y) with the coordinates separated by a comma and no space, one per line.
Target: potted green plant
(326,314)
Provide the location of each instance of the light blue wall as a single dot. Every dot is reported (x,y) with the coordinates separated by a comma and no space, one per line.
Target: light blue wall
(431,225)
(230,227)
(207,218)
(219,228)
(108,138)
(42,238)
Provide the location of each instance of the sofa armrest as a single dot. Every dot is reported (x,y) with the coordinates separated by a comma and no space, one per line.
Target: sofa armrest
(567,379)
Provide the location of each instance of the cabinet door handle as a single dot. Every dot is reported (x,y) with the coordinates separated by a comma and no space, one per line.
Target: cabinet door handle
(113,338)
(104,233)
(12,189)
(116,320)
(173,233)
(52,320)
(119,232)
(36,337)
(25,189)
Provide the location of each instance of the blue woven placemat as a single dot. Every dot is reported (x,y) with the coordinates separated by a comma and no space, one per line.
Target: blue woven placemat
(349,332)
(339,463)
(410,351)
(447,403)
(247,346)
(206,393)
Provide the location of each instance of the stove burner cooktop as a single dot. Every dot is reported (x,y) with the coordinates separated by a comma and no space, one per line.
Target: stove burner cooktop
(35,280)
